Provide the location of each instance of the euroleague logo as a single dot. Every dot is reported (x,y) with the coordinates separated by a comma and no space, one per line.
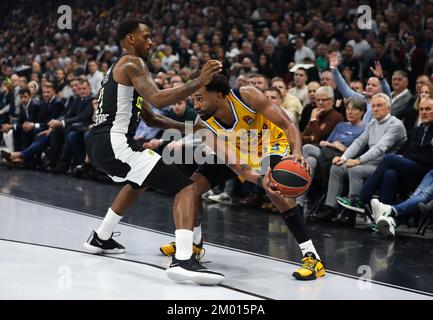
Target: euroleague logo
(248,120)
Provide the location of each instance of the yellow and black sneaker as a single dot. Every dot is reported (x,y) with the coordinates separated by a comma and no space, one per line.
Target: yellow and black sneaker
(170,249)
(310,270)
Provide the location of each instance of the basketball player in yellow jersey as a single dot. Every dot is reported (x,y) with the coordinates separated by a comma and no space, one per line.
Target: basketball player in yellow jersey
(225,112)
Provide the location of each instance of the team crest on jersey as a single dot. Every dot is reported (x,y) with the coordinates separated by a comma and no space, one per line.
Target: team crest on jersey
(248,119)
(139,103)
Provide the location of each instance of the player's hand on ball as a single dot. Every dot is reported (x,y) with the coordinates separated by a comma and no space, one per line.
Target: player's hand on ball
(269,186)
(300,159)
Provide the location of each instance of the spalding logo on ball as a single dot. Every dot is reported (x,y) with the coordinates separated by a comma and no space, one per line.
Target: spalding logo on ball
(291,177)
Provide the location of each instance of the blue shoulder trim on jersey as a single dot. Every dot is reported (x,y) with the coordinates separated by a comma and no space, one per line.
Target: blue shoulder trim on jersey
(236,93)
(210,127)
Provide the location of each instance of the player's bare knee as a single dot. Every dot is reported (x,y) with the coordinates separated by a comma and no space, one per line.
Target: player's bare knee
(202,185)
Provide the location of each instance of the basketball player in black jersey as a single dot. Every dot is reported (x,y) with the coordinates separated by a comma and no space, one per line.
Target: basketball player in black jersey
(126,88)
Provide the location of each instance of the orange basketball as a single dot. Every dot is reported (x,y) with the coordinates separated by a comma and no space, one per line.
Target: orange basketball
(291,177)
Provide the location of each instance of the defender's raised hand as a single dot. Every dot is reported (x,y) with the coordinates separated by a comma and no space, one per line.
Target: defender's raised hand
(208,70)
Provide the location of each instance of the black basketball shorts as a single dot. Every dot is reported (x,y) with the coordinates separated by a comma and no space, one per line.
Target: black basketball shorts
(126,161)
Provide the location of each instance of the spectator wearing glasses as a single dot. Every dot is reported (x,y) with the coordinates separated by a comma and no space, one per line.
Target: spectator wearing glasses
(341,138)
(384,134)
(323,118)
(398,172)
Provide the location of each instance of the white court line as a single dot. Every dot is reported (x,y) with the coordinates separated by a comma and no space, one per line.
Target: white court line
(46,225)
(37,272)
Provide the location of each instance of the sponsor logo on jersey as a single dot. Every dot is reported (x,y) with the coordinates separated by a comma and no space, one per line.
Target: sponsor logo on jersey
(248,119)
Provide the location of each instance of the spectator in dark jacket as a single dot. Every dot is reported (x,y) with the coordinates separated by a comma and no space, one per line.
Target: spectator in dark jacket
(411,117)
(29,116)
(323,118)
(43,138)
(405,170)
(7,102)
(51,108)
(68,132)
(306,111)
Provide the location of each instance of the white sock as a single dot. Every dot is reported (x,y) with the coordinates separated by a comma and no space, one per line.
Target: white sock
(197,234)
(183,244)
(108,224)
(308,246)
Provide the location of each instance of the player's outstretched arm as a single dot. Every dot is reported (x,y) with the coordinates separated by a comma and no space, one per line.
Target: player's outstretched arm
(155,120)
(260,103)
(142,81)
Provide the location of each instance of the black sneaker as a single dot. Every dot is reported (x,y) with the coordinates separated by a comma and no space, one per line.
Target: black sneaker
(6,155)
(183,270)
(97,245)
(61,168)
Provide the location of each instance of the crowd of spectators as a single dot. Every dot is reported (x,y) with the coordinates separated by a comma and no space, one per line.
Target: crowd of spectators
(362,98)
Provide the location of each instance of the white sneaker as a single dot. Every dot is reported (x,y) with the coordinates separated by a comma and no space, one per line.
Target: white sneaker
(222,198)
(205,196)
(386,226)
(379,209)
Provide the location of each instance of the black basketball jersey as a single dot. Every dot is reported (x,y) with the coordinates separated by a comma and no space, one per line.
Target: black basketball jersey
(118,107)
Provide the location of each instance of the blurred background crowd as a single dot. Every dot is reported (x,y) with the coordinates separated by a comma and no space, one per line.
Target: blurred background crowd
(362,98)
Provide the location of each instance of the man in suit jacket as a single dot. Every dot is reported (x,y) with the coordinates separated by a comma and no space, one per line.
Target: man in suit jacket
(23,129)
(77,118)
(401,96)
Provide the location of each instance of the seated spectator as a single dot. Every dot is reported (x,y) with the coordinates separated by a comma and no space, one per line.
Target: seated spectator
(302,52)
(374,85)
(293,107)
(260,82)
(400,171)
(241,81)
(24,129)
(357,86)
(34,91)
(411,117)
(94,77)
(350,62)
(341,138)
(327,80)
(42,139)
(388,217)
(401,95)
(265,67)
(7,102)
(323,118)
(279,83)
(300,89)
(306,111)
(384,134)
(60,84)
(274,95)
(68,131)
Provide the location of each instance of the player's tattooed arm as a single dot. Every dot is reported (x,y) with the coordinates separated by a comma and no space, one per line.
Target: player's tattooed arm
(142,81)
(155,120)
(260,103)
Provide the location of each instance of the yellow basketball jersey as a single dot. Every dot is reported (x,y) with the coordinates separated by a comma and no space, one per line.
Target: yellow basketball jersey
(252,136)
